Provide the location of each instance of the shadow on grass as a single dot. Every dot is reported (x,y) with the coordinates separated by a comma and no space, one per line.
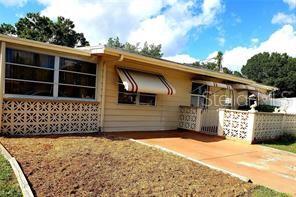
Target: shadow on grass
(287,142)
(286,139)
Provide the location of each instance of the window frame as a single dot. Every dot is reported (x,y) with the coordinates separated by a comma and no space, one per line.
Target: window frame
(137,94)
(200,96)
(75,85)
(55,83)
(27,66)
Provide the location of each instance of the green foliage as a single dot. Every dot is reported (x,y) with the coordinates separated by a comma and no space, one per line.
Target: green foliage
(238,74)
(260,108)
(265,108)
(219,59)
(286,142)
(150,50)
(216,66)
(8,183)
(227,71)
(7,29)
(213,66)
(273,69)
(41,28)
(64,34)
(261,191)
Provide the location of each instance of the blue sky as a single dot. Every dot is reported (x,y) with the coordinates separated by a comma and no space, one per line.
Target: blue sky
(189,30)
(240,22)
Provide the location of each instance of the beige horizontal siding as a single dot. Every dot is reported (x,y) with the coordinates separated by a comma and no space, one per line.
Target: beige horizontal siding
(141,128)
(163,116)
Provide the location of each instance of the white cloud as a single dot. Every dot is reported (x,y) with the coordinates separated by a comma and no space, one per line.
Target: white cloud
(291,3)
(282,18)
(18,3)
(165,22)
(281,41)
(182,58)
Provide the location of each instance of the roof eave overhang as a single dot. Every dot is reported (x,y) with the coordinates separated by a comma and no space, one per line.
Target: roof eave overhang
(130,56)
(44,46)
(176,66)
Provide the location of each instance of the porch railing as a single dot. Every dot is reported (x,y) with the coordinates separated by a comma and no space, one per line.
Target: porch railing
(236,124)
(196,119)
(209,121)
(190,118)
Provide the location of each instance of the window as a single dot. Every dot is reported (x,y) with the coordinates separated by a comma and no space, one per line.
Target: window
(125,97)
(146,99)
(226,99)
(77,79)
(28,73)
(199,95)
(34,74)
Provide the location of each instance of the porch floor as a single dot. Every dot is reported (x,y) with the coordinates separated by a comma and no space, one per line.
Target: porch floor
(264,166)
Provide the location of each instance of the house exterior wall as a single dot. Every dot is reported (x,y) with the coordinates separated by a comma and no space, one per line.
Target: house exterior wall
(216,94)
(22,115)
(130,117)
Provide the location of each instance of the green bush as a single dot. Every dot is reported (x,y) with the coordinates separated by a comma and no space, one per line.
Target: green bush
(265,108)
(260,108)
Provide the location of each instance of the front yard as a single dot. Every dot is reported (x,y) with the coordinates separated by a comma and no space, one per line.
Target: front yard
(8,183)
(100,166)
(285,142)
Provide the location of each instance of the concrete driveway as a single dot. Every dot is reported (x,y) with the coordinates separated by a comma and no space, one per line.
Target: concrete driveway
(264,166)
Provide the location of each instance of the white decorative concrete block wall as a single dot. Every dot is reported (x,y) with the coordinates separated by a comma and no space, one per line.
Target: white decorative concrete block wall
(189,118)
(268,126)
(255,126)
(21,117)
(235,124)
(290,123)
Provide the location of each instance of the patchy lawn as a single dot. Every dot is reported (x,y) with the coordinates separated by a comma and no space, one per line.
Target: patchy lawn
(8,183)
(265,192)
(285,142)
(98,165)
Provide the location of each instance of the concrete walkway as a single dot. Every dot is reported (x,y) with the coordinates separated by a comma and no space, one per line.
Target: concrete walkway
(264,166)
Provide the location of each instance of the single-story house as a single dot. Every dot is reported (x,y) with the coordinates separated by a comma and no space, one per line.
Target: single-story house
(47,88)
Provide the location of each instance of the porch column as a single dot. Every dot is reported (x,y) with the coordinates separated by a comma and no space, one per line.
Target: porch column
(220,122)
(250,129)
(101,91)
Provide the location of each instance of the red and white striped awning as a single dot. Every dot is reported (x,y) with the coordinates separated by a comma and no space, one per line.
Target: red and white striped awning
(214,84)
(136,81)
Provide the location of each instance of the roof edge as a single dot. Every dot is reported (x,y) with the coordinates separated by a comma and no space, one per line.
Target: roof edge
(179,66)
(42,45)
(88,51)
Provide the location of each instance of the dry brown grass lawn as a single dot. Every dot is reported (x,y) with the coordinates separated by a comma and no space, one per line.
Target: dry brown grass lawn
(98,165)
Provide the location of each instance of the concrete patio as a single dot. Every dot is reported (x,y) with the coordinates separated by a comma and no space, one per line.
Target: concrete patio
(264,166)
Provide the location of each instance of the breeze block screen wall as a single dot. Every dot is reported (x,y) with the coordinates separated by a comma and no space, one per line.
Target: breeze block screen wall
(36,117)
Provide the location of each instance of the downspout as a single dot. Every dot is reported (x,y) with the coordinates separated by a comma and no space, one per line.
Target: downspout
(103,89)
